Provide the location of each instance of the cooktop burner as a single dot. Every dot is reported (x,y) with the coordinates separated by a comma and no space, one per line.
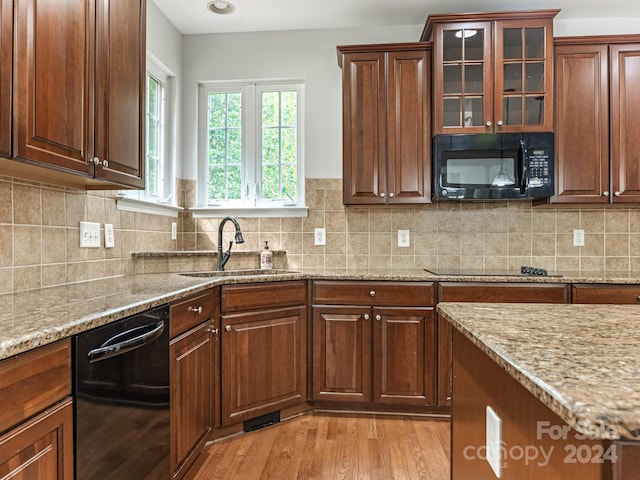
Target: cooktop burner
(525,271)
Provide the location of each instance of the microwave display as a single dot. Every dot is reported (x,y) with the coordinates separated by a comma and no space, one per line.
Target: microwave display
(500,166)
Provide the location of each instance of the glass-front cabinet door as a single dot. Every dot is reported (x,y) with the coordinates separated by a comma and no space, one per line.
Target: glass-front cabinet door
(523,76)
(463,85)
(492,72)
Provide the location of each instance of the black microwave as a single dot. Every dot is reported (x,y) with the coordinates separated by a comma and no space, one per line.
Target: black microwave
(493,166)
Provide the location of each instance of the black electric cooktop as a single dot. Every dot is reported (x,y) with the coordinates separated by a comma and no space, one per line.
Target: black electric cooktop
(525,271)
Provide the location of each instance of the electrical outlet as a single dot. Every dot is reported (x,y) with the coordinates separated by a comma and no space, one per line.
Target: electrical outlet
(578,238)
(404,238)
(493,440)
(89,235)
(109,239)
(320,236)
(174,231)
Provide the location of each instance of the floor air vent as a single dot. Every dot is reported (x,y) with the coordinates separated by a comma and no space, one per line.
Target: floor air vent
(262,421)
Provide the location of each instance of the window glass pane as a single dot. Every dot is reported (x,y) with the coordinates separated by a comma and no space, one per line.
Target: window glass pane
(289,109)
(270,110)
(154,136)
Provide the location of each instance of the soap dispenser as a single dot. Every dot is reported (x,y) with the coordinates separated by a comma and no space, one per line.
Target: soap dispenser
(266,257)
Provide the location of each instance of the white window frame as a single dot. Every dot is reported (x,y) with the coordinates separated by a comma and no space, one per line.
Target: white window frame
(140,200)
(251,204)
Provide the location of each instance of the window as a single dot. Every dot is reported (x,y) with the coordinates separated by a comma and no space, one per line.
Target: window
(159,179)
(251,152)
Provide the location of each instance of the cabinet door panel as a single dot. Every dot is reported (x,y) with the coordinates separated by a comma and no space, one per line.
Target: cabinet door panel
(364,128)
(612,294)
(625,122)
(582,124)
(6,70)
(342,354)
(120,87)
(52,82)
(263,362)
(409,146)
(404,369)
(192,361)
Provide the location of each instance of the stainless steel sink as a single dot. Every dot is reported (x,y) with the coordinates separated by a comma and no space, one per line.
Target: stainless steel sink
(244,273)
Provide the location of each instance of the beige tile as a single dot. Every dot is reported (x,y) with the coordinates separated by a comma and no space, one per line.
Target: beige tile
(313,261)
(380,220)
(273,238)
(75,205)
(209,225)
(567,264)
(74,252)
(333,199)
(567,221)
(426,219)
(336,243)
(116,250)
(472,219)
(6,280)
(313,221)
(380,244)
(496,262)
(615,265)
(448,219)
(27,246)
(53,208)
(495,218)
(381,262)
(448,244)
(294,262)
(519,221)
(357,262)
(548,263)
(54,244)
(27,278)
(111,213)
(471,262)
(357,243)
(336,221)
(54,274)
(543,221)
(426,261)
(6,245)
(403,219)
(426,244)
(6,202)
(270,225)
(127,220)
(113,268)
(496,244)
(592,264)
(592,221)
(292,242)
(543,244)
(593,245)
(292,225)
(335,261)
(616,245)
(472,244)
(616,221)
(515,262)
(448,262)
(564,245)
(357,220)
(519,244)
(309,247)
(27,205)
(402,262)
(95,209)
(95,270)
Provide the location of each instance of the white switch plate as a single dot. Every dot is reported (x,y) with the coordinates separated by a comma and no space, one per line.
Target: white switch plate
(404,238)
(578,238)
(174,231)
(89,235)
(320,236)
(109,239)
(493,439)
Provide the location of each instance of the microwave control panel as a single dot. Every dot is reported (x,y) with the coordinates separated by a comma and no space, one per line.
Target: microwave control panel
(539,167)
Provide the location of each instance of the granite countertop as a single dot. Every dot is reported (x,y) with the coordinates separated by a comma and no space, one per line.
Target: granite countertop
(581,361)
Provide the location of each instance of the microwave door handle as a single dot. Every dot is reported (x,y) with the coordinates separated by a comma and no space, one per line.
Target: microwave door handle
(522,163)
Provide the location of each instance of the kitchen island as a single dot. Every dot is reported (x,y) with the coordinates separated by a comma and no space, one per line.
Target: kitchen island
(547,391)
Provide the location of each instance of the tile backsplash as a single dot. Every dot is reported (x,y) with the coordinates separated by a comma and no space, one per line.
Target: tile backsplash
(39,235)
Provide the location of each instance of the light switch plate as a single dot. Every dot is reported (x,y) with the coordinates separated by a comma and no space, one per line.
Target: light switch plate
(404,238)
(578,238)
(320,236)
(109,239)
(89,235)
(174,231)
(493,440)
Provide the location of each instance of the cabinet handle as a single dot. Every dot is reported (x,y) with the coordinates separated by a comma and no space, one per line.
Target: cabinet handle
(378,318)
(488,123)
(197,310)
(500,123)
(227,328)
(372,293)
(605,193)
(617,194)
(638,298)
(382,194)
(96,161)
(391,195)
(366,316)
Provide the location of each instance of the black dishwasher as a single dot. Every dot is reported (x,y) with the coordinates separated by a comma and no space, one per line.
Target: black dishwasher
(121,393)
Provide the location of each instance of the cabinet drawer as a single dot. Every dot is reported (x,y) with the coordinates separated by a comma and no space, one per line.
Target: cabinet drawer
(33,381)
(615,294)
(189,312)
(503,292)
(240,298)
(405,294)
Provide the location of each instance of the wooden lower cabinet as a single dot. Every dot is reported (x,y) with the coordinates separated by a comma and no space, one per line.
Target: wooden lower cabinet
(384,355)
(374,343)
(194,370)
(487,293)
(608,294)
(40,448)
(264,349)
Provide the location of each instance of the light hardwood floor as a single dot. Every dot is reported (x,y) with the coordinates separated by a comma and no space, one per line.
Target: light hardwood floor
(324,446)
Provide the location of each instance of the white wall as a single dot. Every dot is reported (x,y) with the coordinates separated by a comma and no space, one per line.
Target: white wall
(309,55)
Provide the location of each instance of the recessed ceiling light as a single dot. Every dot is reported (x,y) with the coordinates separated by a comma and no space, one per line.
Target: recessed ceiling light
(221,7)
(467,33)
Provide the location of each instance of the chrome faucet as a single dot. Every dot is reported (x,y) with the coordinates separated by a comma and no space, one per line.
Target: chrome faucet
(223,257)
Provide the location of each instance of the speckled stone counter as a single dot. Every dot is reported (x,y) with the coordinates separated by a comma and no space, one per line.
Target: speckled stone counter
(581,361)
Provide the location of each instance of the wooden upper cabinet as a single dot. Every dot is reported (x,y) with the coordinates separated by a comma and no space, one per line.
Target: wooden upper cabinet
(597,117)
(79,92)
(493,72)
(6,70)
(386,131)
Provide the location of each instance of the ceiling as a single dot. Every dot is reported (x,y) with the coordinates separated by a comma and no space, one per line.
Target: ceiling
(193,17)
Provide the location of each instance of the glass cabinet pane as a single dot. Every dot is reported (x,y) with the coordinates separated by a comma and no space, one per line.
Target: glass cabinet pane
(512,77)
(512,110)
(474,79)
(473,112)
(535,76)
(534,41)
(512,41)
(452,115)
(451,46)
(452,78)
(473,44)
(534,109)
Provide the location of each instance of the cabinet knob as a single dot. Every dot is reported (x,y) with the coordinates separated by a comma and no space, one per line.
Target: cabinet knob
(378,318)
(105,163)
(366,316)
(95,161)
(638,298)
(382,194)
(372,293)
(391,195)
(227,328)
(214,331)
(197,310)
(500,123)
(489,123)
(605,193)
(617,194)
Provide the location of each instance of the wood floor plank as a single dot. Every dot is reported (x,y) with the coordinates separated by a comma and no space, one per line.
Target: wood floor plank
(324,446)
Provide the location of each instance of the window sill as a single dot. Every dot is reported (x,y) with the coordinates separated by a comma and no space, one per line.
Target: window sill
(250,212)
(143,206)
